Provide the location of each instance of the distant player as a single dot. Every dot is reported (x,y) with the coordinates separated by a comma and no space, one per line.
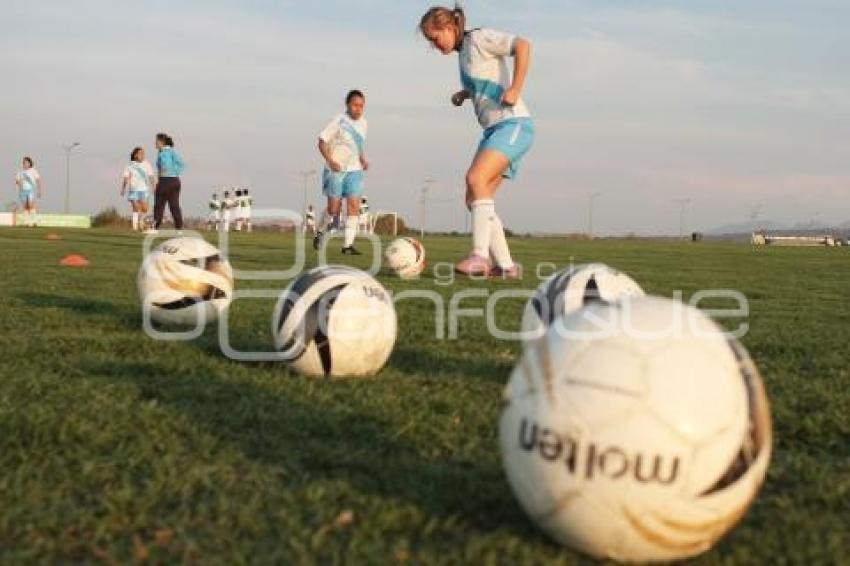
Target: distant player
(137,182)
(310,220)
(342,145)
(508,128)
(247,204)
(227,206)
(214,218)
(365,226)
(29,185)
(237,211)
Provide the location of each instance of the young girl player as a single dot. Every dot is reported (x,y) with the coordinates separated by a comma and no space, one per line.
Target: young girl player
(342,145)
(508,129)
(137,183)
(28,183)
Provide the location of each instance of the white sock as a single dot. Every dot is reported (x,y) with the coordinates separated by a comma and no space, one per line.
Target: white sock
(33,217)
(135,221)
(499,244)
(351,230)
(325,221)
(483,212)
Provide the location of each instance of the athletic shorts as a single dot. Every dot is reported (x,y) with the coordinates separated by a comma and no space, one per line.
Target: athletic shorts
(512,138)
(136,196)
(26,196)
(342,185)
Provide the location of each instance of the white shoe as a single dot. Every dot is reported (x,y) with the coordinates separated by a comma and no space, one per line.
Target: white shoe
(151,231)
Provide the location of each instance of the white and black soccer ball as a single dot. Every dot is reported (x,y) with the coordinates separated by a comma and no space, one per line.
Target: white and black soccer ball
(571,289)
(335,321)
(185,281)
(405,257)
(640,433)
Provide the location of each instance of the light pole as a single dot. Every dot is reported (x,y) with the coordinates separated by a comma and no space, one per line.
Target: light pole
(591,198)
(305,175)
(68,149)
(423,203)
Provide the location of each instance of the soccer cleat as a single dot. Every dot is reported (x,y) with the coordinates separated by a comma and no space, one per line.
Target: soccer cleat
(317,241)
(350,250)
(514,272)
(474,266)
(151,231)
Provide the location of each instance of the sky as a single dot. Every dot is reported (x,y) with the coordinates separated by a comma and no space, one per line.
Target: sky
(742,108)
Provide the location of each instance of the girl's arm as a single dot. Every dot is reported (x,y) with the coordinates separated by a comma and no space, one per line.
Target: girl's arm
(522,60)
(40,187)
(18,183)
(364,162)
(124,182)
(325,150)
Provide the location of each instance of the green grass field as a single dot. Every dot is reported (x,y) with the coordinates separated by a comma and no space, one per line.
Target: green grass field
(116,448)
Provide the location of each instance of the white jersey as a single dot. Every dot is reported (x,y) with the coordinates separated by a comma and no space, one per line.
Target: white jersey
(139,175)
(484,72)
(28,179)
(347,141)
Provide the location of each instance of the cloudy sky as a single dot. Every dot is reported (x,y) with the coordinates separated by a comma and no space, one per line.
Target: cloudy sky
(734,105)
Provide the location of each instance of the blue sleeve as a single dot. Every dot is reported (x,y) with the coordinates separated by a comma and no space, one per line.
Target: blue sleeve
(179,164)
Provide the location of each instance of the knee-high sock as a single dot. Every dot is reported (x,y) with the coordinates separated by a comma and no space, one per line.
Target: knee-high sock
(351,225)
(483,212)
(135,220)
(325,221)
(499,244)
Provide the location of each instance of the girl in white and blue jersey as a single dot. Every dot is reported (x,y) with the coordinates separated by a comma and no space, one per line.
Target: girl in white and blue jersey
(28,183)
(342,146)
(137,183)
(508,129)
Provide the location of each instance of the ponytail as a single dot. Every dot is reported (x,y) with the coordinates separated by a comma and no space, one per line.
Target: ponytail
(165,139)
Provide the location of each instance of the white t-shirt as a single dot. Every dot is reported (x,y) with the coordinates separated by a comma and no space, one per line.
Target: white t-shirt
(347,141)
(28,178)
(139,175)
(484,72)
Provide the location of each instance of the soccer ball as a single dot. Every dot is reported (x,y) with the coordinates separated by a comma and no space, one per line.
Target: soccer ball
(406,257)
(185,281)
(569,290)
(335,321)
(636,431)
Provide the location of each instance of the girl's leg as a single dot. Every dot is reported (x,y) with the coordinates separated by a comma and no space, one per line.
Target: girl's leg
(482,181)
(31,212)
(352,222)
(134,206)
(159,204)
(174,204)
(334,206)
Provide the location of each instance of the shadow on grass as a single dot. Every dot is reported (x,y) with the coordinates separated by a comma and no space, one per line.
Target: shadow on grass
(84,306)
(329,439)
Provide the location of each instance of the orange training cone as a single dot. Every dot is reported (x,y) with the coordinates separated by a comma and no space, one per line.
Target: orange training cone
(74,261)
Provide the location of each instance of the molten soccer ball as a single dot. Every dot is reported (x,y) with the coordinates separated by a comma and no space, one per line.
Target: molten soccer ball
(569,290)
(335,321)
(636,431)
(185,281)
(406,257)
